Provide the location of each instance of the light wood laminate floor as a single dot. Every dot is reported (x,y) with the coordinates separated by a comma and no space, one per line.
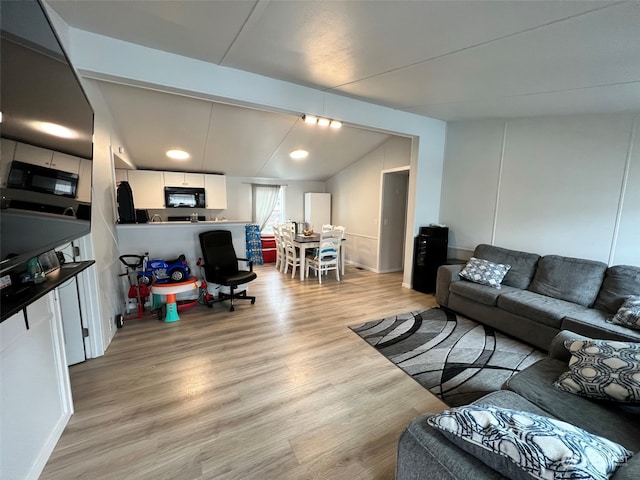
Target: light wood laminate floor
(277,390)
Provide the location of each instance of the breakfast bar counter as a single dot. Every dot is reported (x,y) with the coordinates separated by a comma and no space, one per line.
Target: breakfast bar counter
(171,239)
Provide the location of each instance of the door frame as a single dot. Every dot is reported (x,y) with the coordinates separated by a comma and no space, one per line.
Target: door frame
(405,170)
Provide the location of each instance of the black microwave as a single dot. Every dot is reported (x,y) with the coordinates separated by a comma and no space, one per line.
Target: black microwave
(184,197)
(37,178)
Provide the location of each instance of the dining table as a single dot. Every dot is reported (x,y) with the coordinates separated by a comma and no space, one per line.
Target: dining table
(304,242)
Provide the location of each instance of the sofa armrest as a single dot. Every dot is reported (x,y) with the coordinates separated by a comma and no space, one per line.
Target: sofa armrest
(447,274)
(557,349)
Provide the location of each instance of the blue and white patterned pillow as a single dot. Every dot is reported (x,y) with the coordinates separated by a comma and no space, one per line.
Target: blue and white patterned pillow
(603,369)
(484,272)
(628,314)
(522,445)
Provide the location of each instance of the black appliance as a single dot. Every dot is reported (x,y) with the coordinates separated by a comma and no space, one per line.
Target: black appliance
(184,197)
(42,179)
(429,252)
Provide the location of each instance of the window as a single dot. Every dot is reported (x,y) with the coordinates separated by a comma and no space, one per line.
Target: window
(277,215)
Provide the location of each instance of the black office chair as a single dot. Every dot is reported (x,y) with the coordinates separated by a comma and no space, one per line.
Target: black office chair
(221,266)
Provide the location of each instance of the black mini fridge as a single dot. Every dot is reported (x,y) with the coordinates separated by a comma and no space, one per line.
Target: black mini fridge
(429,252)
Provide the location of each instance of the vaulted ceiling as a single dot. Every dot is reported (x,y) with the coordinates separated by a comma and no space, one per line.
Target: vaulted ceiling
(450,60)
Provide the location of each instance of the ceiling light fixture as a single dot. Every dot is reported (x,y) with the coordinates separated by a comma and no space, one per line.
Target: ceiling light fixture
(178,154)
(321,121)
(310,119)
(299,154)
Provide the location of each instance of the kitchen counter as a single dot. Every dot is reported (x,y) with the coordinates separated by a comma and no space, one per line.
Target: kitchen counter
(168,240)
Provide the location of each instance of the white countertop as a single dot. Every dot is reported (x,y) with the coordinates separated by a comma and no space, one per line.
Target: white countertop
(182,224)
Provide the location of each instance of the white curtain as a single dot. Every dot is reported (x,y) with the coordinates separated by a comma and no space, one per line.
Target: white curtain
(265,198)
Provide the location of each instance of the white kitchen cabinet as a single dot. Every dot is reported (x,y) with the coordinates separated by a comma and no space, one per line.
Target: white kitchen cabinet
(216,191)
(66,163)
(83,193)
(147,187)
(183,179)
(122,175)
(46,158)
(317,209)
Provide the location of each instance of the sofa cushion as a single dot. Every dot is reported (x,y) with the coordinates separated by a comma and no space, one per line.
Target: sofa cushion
(603,369)
(480,293)
(572,279)
(484,272)
(547,310)
(523,264)
(539,446)
(619,282)
(594,323)
(607,419)
(628,315)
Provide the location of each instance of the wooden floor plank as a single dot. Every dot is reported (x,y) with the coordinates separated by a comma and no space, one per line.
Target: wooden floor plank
(282,389)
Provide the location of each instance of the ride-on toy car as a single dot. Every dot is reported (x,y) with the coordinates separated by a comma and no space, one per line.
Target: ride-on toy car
(164,271)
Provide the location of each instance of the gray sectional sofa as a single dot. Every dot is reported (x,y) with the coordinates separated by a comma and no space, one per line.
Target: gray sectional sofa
(424,452)
(542,295)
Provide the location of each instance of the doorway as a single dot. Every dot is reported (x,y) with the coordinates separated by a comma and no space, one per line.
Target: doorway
(393,219)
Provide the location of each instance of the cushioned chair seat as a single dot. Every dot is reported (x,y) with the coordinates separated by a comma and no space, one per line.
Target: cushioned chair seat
(546,310)
(480,293)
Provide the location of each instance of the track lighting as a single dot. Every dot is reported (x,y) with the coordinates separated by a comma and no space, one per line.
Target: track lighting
(321,121)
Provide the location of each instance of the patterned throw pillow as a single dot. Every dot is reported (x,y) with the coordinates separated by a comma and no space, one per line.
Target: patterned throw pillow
(603,369)
(522,445)
(629,313)
(484,272)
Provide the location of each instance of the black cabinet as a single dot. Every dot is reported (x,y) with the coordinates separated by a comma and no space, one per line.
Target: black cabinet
(429,252)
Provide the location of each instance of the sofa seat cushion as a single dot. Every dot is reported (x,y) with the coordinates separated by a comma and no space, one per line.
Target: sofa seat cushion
(523,264)
(619,282)
(547,310)
(594,323)
(522,445)
(607,419)
(572,279)
(480,293)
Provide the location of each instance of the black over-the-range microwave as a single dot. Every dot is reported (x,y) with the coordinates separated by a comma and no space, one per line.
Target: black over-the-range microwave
(184,197)
(42,179)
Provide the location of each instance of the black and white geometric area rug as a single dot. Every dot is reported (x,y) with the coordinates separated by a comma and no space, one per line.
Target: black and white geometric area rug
(453,357)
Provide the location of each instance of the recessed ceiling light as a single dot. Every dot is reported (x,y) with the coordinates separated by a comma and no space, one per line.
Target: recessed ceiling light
(323,122)
(299,154)
(335,124)
(177,154)
(310,119)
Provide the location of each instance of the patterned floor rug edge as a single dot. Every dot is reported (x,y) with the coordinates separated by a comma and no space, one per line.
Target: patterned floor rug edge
(455,358)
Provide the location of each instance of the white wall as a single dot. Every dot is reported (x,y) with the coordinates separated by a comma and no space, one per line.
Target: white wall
(356,199)
(239,196)
(554,185)
(136,65)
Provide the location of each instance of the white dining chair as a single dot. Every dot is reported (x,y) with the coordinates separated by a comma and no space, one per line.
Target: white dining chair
(291,256)
(326,227)
(277,233)
(327,255)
